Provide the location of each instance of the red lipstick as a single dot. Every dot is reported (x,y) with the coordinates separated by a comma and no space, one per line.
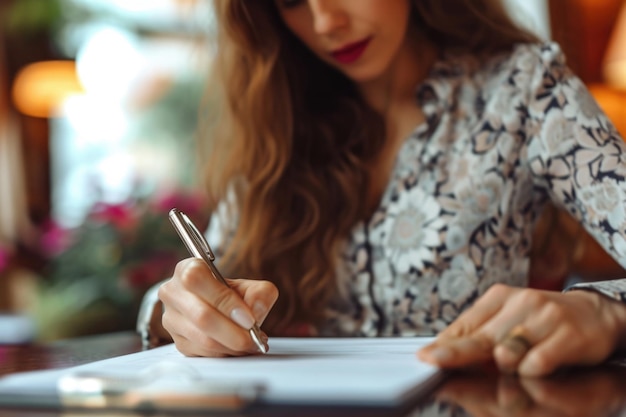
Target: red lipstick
(352,52)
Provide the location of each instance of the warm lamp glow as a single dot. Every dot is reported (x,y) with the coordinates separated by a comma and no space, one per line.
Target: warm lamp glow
(613,103)
(615,58)
(40,88)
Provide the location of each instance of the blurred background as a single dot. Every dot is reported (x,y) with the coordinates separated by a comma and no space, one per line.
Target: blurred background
(99,102)
(99,106)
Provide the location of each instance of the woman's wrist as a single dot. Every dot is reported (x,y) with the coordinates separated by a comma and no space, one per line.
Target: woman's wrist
(616,313)
(611,293)
(612,313)
(149,324)
(621,324)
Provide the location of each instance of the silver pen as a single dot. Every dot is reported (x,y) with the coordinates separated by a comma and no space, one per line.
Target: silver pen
(199,248)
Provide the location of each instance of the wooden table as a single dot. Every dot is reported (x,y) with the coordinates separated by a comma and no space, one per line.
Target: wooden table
(597,392)
(66,353)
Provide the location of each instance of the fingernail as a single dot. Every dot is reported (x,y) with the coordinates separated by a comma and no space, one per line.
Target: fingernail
(441,354)
(259,310)
(242,318)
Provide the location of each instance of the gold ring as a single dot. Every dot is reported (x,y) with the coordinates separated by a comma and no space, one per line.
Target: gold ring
(517,340)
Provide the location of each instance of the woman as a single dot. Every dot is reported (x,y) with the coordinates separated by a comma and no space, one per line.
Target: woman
(381,163)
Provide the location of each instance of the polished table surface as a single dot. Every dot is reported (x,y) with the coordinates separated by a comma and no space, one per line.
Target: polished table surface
(598,391)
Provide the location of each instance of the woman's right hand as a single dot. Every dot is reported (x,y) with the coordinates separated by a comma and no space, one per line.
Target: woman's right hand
(206,318)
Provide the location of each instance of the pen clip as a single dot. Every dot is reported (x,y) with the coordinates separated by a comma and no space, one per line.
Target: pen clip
(192,238)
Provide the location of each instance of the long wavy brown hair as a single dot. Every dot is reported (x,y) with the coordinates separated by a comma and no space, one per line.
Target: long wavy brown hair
(290,139)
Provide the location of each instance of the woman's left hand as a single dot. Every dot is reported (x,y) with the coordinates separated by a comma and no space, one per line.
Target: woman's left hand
(531,332)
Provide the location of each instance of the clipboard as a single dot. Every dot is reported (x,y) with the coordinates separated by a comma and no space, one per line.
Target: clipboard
(163,387)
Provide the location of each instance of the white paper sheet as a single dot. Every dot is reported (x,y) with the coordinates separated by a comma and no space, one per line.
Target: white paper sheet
(348,371)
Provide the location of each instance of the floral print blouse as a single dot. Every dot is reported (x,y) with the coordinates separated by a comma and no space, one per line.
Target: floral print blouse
(501,139)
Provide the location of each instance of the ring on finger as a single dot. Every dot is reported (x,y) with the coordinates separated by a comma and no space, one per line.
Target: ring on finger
(517,340)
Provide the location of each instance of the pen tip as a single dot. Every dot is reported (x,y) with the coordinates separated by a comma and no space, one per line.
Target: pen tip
(254,334)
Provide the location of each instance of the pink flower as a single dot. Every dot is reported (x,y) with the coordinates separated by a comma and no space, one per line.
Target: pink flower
(188,202)
(120,215)
(5,258)
(156,268)
(54,239)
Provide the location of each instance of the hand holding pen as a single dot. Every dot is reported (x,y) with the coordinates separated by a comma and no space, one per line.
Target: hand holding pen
(206,314)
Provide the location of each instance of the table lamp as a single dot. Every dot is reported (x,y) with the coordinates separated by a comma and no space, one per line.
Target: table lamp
(615,57)
(41,87)
(611,94)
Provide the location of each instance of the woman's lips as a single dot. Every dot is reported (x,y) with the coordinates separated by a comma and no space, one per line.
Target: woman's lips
(352,52)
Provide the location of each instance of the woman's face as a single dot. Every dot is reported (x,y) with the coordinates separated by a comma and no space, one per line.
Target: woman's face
(360,38)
